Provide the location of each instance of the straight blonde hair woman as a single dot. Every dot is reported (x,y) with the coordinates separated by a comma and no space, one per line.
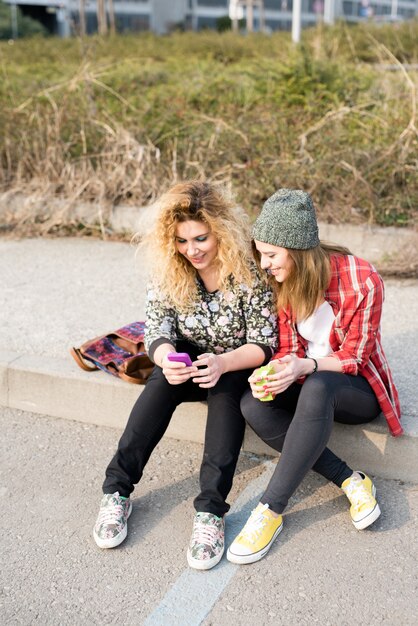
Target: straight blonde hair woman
(330,365)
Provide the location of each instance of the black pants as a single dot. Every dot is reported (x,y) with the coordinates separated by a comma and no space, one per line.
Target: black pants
(298,423)
(150,418)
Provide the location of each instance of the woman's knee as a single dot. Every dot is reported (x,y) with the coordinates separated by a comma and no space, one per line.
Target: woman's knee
(157,376)
(269,422)
(257,414)
(318,396)
(158,391)
(249,405)
(321,384)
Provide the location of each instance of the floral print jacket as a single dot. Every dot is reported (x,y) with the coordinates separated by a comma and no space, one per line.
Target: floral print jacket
(220,321)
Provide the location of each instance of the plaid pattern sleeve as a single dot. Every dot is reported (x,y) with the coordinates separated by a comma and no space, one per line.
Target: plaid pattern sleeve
(356,293)
(360,297)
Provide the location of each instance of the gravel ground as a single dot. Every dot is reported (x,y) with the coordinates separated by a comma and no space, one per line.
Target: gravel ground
(320,569)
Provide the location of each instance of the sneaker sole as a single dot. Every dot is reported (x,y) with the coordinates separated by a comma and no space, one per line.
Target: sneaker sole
(203,565)
(244,559)
(370,518)
(114,541)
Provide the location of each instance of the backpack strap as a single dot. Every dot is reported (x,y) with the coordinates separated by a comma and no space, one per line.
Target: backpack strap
(76,354)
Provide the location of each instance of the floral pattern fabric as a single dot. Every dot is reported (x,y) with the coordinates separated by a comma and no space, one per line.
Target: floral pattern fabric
(220,321)
(111,524)
(207,541)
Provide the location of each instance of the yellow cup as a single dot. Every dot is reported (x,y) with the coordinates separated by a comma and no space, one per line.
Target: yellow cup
(263,371)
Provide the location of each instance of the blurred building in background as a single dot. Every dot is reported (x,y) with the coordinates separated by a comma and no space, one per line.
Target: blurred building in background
(67,17)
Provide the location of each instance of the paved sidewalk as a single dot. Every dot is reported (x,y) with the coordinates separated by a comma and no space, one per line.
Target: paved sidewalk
(319,571)
(59,292)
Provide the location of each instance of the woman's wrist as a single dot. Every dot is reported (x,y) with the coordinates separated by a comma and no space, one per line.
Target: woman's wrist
(314,363)
(161,352)
(223,360)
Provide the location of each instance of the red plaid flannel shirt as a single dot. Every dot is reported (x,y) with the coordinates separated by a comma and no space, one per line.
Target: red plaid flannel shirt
(356,295)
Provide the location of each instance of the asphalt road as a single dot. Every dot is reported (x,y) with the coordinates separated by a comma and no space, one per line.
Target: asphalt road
(57,293)
(320,570)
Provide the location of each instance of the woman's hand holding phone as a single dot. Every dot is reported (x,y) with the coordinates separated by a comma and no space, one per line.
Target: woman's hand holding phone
(211,368)
(177,367)
(180,357)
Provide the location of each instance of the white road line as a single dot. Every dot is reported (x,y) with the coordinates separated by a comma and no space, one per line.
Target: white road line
(193,595)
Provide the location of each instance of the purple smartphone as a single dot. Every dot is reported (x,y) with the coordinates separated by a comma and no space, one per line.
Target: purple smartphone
(180,357)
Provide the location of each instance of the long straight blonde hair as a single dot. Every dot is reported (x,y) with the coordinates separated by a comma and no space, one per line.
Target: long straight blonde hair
(173,274)
(308,279)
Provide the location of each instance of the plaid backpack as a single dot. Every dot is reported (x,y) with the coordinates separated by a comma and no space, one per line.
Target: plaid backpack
(120,353)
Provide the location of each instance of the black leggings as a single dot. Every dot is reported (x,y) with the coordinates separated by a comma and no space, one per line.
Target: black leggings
(150,418)
(298,423)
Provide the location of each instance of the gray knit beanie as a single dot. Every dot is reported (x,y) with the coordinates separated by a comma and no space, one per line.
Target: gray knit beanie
(288,220)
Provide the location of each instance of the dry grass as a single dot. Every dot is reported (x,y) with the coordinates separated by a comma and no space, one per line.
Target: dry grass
(117,121)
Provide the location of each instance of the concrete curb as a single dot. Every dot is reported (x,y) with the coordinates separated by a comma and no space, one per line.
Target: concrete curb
(380,245)
(56,387)
(375,243)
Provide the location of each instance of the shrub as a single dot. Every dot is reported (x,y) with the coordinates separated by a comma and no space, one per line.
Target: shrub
(117,120)
(26,26)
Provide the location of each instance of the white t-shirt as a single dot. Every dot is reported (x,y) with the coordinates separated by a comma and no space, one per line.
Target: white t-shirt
(316,330)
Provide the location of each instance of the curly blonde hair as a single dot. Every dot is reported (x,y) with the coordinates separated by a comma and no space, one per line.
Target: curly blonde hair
(174,275)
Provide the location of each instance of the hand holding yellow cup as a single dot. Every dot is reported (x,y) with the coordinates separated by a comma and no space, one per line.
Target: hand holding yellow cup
(263,371)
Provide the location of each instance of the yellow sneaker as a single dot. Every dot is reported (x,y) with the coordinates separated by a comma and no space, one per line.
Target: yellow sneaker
(361,492)
(257,536)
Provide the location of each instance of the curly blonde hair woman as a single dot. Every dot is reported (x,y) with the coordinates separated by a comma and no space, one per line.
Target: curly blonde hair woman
(206,300)
(204,203)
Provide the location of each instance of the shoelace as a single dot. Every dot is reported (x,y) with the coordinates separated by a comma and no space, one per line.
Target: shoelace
(358,494)
(110,514)
(254,525)
(205,533)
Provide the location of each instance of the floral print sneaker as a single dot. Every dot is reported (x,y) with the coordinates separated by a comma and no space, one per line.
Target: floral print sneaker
(111,525)
(207,542)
